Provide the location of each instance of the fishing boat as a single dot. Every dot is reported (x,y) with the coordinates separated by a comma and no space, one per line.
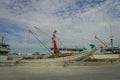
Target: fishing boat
(4,50)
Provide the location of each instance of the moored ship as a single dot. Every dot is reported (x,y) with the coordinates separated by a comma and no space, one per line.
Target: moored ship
(4,50)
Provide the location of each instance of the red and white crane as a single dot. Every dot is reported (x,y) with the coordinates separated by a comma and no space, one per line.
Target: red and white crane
(55,42)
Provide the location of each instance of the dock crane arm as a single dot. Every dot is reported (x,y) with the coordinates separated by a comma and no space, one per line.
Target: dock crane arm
(101,41)
(30,31)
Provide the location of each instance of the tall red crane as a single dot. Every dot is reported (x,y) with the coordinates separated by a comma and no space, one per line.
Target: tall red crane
(54,42)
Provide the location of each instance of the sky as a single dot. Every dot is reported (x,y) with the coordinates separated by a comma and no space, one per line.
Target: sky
(76,22)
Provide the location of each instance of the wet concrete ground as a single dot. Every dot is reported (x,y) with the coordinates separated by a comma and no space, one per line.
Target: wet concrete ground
(52,72)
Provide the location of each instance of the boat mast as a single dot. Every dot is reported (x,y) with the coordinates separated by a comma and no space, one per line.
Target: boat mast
(111,40)
(2,39)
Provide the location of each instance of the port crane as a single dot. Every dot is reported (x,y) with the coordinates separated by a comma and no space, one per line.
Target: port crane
(112,49)
(56,49)
(54,41)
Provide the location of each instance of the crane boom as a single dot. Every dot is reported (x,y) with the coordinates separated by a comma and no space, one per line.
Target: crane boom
(30,31)
(101,41)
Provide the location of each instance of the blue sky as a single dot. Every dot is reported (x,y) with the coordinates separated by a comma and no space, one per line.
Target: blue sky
(76,22)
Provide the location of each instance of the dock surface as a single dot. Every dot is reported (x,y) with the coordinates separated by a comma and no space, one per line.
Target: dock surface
(54,72)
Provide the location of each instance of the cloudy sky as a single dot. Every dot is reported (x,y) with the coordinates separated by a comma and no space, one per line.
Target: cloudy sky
(76,21)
